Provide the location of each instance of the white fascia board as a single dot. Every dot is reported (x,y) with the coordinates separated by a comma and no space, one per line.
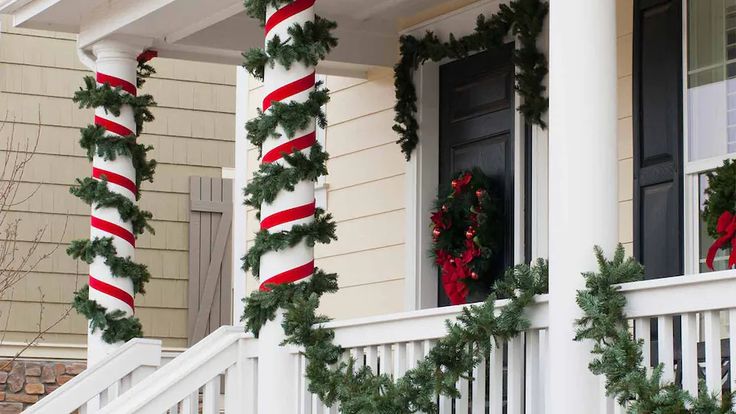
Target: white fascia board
(112,16)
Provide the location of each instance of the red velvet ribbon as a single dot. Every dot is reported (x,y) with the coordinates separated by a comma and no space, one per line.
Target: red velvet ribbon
(111,290)
(112,126)
(287,11)
(115,178)
(116,82)
(726,227)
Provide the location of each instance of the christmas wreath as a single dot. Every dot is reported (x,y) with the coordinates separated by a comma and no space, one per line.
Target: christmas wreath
(719,213)
(463,235)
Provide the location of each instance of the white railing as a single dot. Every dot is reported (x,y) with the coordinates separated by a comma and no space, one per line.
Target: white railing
(216,375)
(394,344)
(98,386)
(685,323)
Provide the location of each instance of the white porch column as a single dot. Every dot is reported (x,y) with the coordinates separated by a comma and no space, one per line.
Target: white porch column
(583,206)
(116,65)
(277,386)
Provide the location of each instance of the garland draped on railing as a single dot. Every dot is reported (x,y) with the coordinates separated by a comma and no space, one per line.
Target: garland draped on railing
(356,388)
(95,140)
(522,18)
(618,356)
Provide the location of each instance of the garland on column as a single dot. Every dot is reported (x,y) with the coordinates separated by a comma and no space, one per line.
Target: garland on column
(719,213)
(618,356)
(522,18)
(115,325)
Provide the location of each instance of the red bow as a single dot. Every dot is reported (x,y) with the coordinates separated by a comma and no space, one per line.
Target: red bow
(147,55)
(726,227)
(461,183)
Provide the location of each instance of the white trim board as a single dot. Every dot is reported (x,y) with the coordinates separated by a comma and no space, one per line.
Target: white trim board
(422,171)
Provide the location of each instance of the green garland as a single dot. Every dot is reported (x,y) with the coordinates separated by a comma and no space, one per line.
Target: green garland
(292,117)
(308,44)
(618,356)
(720,196)
(522,18)
(361,390)
(321,230)
(115,325)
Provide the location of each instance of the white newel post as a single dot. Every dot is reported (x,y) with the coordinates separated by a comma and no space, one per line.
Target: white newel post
(277,387)
(583,206)
(116,65)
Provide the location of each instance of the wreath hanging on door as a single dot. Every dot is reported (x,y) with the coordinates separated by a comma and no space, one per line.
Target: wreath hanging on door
(463,232)
(719,213)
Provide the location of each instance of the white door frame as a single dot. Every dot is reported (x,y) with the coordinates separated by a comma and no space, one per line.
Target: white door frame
(422,171)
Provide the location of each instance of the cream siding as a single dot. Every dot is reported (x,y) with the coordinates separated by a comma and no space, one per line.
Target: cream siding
(192,135)
(366,195)
(625,33)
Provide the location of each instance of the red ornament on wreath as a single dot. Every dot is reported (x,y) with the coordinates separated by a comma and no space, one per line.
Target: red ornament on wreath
(464,237)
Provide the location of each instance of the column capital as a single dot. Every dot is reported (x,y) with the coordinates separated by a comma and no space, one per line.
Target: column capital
(120,47)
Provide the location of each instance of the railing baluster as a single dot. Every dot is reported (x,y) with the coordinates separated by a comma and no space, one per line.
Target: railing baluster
(190,404)
(713,351)
(544,368)
(317,406)
(732,349)
(400,361)
(93,405)
(250,380)
(372,358)
(210,396)
(462,404)
(532,394)
(387,363)
(689,363)
(515,403)
(495,396)
(306,396)
(666,348)
(479,387)
(642,328)
(357,354)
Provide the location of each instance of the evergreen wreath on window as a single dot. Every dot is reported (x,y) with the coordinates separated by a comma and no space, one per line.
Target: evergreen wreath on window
(464,231)
(522,18)
(719,213)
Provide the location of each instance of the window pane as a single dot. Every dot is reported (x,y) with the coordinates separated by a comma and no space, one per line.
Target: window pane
(721,261)
(711,78)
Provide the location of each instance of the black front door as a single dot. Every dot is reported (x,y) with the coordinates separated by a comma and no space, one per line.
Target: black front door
(477,130)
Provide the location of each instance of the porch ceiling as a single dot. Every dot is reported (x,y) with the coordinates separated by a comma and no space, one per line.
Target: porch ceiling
(218,30)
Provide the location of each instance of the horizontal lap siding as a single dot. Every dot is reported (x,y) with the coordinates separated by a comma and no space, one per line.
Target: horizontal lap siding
(625,29)
(366,196)
(192,135)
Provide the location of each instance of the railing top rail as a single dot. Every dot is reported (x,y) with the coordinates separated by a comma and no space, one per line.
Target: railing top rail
(425,324)
(682,294)
(172,382)
(135,353)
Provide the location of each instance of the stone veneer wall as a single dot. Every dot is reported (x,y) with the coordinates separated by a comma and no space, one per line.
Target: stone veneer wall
(24,382)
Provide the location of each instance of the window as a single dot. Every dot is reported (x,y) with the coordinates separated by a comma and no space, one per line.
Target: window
(711,110)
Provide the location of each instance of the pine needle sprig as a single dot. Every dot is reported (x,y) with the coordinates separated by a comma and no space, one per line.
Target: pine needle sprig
(619,357)
(321,230)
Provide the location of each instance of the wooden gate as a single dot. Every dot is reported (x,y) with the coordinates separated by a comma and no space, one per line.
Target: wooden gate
(210,270)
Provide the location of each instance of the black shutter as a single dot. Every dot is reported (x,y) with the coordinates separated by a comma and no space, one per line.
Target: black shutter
(658,142)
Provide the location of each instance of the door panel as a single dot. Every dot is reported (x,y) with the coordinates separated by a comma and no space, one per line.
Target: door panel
(477,130)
